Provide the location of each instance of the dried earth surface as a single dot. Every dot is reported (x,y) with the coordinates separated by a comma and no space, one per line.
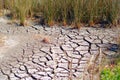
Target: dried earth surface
(64,56)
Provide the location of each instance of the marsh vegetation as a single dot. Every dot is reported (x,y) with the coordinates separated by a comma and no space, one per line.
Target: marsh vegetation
(66,12)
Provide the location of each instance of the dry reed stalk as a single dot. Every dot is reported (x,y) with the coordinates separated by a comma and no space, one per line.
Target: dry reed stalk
(94,69)
(69,65)
(70,68)
(51,23)
(91,23)
(100,61)
(64,23)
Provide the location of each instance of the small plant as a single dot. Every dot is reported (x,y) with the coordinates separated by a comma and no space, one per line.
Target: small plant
(111,73)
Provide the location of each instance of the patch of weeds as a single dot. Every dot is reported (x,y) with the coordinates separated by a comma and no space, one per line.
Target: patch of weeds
(111,73)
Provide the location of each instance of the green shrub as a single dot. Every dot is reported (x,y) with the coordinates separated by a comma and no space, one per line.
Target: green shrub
(111,73)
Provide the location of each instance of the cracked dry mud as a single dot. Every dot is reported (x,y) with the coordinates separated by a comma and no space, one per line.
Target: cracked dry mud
(26,57)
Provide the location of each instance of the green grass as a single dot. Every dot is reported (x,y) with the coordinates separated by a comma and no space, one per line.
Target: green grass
(65,11)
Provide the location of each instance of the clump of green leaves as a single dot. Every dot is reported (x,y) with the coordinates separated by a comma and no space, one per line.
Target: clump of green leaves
(111,73)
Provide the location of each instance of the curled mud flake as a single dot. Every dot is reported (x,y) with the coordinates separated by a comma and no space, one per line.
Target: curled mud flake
(46,40)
